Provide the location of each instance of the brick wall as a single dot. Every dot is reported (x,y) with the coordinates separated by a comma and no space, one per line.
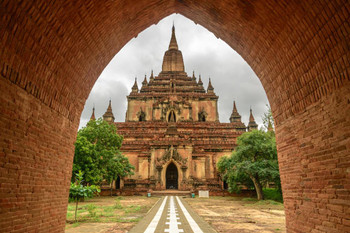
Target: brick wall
(313,153)
(35,163)
(53,51)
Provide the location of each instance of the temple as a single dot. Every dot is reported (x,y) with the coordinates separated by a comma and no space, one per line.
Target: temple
(172,134)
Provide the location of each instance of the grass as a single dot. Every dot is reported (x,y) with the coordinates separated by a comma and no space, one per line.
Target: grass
(91,208)
(249,199)
(133,209)
(266,202)
(108,215)
(118,206)
(109,209)
(271,196)
(75,224)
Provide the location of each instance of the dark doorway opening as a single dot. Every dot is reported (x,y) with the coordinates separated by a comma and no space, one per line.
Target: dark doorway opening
(225,185)
(172,177)
(172,117)
(117,183)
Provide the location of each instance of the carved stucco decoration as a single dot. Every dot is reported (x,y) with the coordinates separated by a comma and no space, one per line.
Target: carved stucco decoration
(171,153)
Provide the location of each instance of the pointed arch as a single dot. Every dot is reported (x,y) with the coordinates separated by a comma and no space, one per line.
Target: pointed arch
(172,116)
(172,176)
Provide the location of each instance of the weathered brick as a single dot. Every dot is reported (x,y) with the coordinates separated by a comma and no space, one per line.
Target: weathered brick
(48,65)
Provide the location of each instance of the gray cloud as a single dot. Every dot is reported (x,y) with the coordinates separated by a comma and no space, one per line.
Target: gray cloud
(231,76)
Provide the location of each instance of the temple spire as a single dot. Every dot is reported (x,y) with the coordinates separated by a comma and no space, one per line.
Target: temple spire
(173,60)
(210,87)
(251,117)
(235,117)
(193,76)
(200,80)
(108,116)
(135,88)
(252,124)
(93,114)
(144,83)
(173,42)
(151,78)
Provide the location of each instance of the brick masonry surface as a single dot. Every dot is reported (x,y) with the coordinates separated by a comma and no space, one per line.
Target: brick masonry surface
(52,52)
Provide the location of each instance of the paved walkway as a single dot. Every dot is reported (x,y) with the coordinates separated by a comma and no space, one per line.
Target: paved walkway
(172,214)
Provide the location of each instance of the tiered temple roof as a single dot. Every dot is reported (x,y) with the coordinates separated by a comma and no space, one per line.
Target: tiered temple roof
(173,79)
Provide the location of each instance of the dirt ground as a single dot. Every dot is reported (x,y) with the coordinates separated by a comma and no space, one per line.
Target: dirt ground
(234,214)
(108,214)
(224,214)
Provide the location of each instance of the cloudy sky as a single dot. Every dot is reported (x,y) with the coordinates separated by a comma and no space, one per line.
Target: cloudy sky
(231,76)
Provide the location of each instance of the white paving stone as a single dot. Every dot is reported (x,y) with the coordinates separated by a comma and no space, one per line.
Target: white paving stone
(153,225)
(190,220)
(173,223)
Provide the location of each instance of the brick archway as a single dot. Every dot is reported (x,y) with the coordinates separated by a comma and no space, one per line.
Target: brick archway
(52,53)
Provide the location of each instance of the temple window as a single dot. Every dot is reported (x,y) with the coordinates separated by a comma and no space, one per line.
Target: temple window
(202,116)
(172,116)
(142,116)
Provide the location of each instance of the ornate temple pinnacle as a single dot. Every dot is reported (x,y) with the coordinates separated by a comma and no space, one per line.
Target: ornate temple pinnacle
(173,42)
(145,81)
(108,116)
(173,60)
(135,88)
(252,124)
(93,114)
(210,87)
(251,117)
(235,117)
(200,80)
(234,106)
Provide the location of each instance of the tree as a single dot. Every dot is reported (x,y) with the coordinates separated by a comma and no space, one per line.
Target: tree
(118,166)
(268,119)
(97,153)
(79,192)
(254,162)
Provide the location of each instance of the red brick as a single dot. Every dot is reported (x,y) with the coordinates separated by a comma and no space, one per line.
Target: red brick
(48,65)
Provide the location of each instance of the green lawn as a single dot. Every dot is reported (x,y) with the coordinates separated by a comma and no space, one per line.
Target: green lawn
(109,209)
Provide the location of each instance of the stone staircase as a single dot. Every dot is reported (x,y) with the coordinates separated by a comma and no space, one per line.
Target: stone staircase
(171,193)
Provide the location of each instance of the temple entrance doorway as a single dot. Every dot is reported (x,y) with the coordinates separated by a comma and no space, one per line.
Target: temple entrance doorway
(117,183)
(171,177)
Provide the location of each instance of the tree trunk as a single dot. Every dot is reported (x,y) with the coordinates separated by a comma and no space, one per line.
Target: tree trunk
(76,210)
(111,185)
(258,188)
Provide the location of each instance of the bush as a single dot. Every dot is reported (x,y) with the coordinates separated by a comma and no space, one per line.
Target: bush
(273,194)
(79,192)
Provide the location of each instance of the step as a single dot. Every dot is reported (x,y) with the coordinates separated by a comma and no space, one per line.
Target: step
(171,193)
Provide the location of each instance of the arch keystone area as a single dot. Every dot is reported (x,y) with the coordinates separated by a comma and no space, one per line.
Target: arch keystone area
(52,52)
